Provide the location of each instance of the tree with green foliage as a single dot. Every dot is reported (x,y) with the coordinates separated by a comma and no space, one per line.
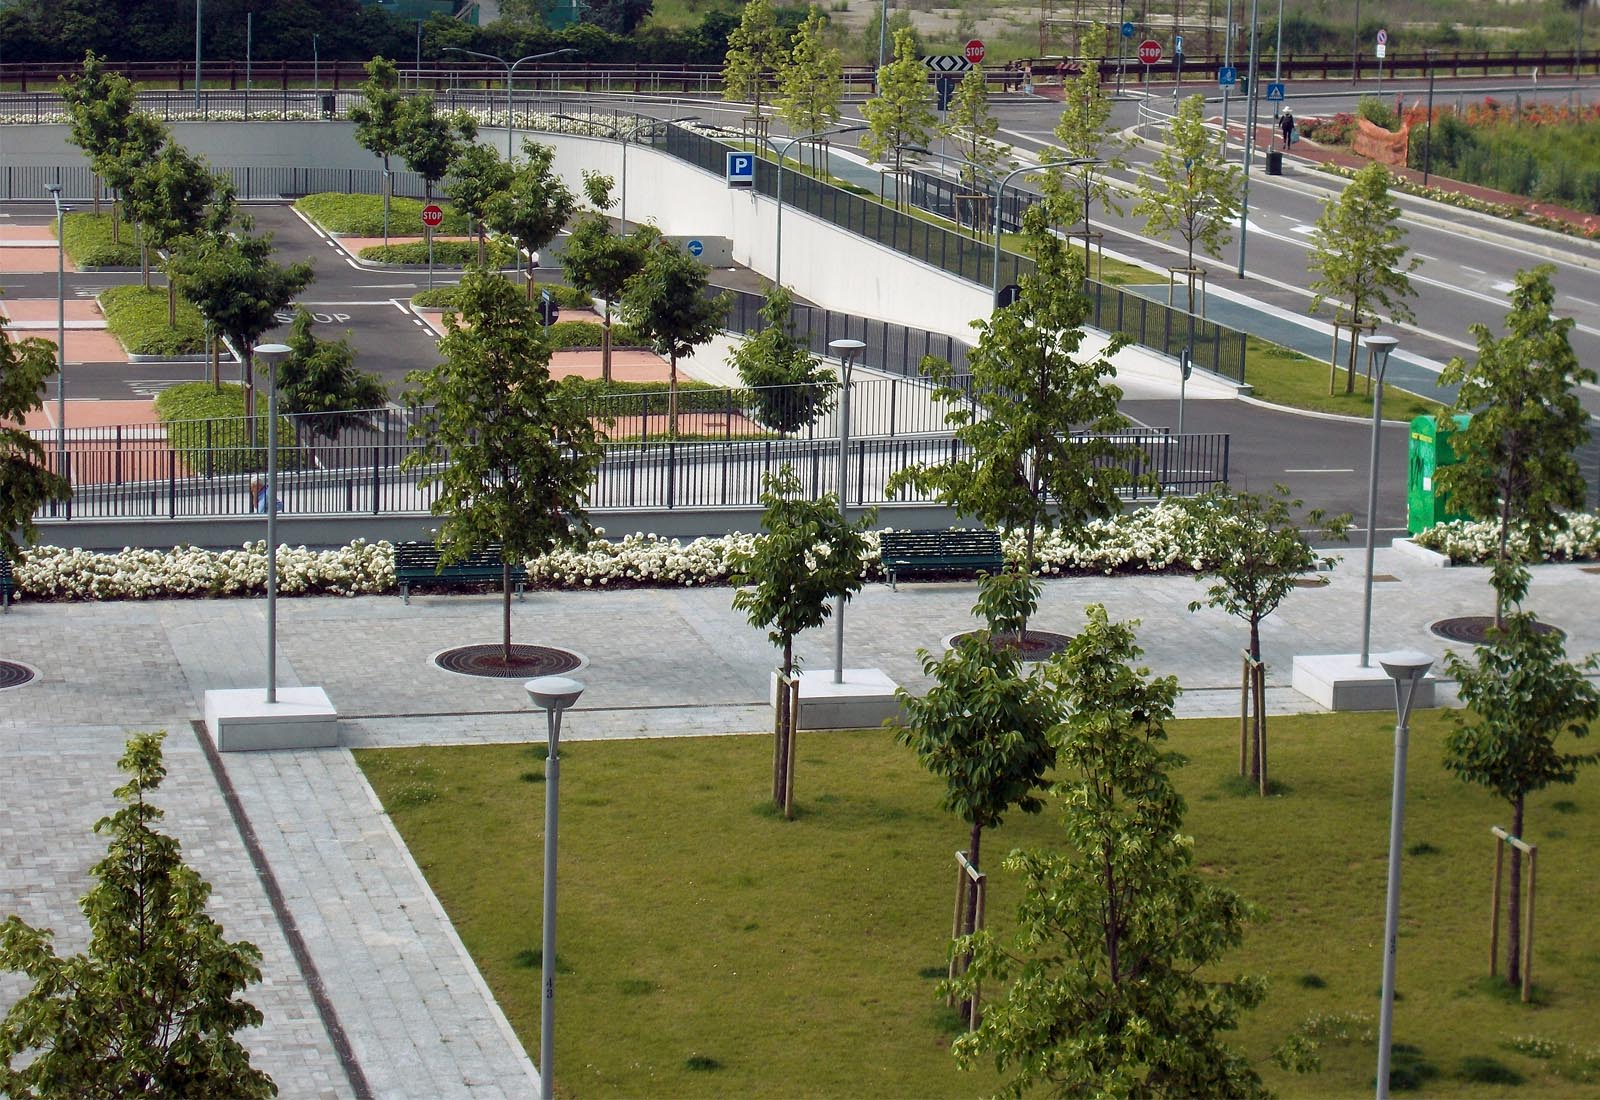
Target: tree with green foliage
(984,725)
(901,114)
(971,126)
(475,178)
(1191,189)
(1521,693)
(1252,548)
(377,118)
(789,387)
(1086,133)
(620,17)
(667,301)
(756,55)
(232,279)
(171,197)
(806,556)
(533,206)
(1032,422)
(320,384)
(599,261)
(1113,982)
(1517,462)
(27,482)
(1358,252)
(512,453)
(811,81)
(430,141)
(99,106)
(151,1007)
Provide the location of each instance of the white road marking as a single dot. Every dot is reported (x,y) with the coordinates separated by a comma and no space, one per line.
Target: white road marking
(1474,270)
(1328,470)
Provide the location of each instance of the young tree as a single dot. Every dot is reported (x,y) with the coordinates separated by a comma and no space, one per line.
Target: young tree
(600,262)
(27,483)
(901,114)
(1086,134)
(789,387)
(1518,463)
(534,205)
(755,54)
(1113,974)
(105,121)
(667,302)
(971,126)
(811,83)
(429,141)
(512,453)
(807,555)
(151,1008)
(1521,693)
(1191,189)
(170,198)
(234,282)
(1358,252)
(476,176)
(1031,392)
(377,120)
(1252,549)
(319,381)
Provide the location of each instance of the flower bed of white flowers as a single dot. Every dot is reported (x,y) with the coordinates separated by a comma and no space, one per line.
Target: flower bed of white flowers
(1470,541)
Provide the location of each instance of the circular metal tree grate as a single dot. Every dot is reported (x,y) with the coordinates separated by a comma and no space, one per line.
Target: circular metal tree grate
(526,661)
(1041,643)
(1474,629)
(14,675)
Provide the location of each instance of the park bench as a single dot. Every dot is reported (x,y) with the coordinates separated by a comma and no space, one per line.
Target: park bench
(939,552)
(418,563)
(7,584)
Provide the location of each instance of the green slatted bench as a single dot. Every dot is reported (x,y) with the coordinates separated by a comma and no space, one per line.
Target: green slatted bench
(418,563)
(7,584)
(963,551)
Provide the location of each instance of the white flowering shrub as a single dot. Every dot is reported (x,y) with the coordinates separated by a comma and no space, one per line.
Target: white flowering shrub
(1467,542)
(358,569)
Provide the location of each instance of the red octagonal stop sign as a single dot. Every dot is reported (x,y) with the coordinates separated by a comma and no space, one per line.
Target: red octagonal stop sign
(432,216)
(1149,51)
(975,51)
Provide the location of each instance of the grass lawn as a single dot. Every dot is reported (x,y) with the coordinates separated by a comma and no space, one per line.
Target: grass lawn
(138,317)
(89,241)
(709,948)
(1286,377)
(362,215)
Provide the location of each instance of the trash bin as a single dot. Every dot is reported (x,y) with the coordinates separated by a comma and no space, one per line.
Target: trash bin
(1431,451)
(327,106)
(1274,162)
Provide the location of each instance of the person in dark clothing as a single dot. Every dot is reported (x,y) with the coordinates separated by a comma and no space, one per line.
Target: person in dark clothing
(1286,124)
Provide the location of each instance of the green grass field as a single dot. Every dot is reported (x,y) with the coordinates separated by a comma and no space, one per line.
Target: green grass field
(1284,376)
(708,948)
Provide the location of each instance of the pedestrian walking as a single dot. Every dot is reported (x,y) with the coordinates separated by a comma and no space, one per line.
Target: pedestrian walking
(1286,124)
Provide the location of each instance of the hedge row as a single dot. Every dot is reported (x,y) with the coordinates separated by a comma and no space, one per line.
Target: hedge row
(138,317)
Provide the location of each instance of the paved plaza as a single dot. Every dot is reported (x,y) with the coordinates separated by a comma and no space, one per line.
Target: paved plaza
(367,991)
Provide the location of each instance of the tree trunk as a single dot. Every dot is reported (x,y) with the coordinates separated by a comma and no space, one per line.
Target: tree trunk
(672,398)
(1350,370)
(1259,726)
(116,219)
(505,603)
(483,243)
(1505,547)
(786,721)
(605,345)
(172,303)
(969,919)
(1514,913)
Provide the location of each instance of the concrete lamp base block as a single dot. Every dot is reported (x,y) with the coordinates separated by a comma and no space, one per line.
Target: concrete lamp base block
(1337,681)
(241,719)
(865,700)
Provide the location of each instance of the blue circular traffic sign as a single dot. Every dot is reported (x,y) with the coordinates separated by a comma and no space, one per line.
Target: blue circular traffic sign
(1127,30)
(696,248)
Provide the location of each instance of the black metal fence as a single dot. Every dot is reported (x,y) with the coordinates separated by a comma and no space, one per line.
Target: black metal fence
(891,348)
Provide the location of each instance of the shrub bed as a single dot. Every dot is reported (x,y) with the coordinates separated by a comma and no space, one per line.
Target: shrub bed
(138,318)
(1468,542)
(449,253)
(89,243)
(208,429)
(362,215)
(444,297)
(692,396)
(590,334)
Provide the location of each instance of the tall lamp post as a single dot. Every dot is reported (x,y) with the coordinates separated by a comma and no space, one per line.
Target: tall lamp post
(1378,348)
(61,328)
(1427,149)
(999,200)
(511,75)
(316,64)
(777,264)
(846,350)
(197,54)
(271,355)
(553,695)
(1406,669)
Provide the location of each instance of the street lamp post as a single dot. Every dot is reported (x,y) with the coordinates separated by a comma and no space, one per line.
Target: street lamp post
(553,695)
(1250,100)
(197,54)
(271,355)
(846,350)
(511,75)
(1378,347)
(61,328)
(1427,149)
(777,264)
(316,65)
(1406,669)
(999,199)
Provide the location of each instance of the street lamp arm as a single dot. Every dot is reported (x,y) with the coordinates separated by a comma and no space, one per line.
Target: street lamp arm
(477,53)
(1000,194)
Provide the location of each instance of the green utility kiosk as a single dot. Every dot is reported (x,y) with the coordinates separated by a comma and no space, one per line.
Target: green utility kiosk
(1430,452)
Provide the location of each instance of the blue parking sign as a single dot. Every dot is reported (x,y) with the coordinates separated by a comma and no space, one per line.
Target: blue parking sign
(1227,76)
(741,169)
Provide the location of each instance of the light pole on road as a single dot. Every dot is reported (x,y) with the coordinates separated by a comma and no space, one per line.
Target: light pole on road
(1379,347)
(511,75)
(271,355)
(846,350)
(999,199)
(61,329)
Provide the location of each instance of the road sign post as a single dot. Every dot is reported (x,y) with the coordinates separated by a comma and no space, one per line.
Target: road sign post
(1382,48)
(1149,54)
(974,51)
(741,170)
(432,218)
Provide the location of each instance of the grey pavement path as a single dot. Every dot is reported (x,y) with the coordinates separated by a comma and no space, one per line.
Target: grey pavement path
(397,982)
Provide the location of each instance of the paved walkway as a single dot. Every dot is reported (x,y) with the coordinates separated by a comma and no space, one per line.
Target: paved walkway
(358,956)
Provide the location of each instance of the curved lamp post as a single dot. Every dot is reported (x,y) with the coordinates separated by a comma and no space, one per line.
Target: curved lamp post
(1000,194)
(511,76)
(1379,348)
(553,695)
(270,355)
(1406,669)
(777,264)
(846,350)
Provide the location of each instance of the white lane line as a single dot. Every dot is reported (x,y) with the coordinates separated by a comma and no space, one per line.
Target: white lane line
(1474,270)
(1326,470)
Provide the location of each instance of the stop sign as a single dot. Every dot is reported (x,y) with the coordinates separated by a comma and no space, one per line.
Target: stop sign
(432,215)
(1149,51)
(975,51)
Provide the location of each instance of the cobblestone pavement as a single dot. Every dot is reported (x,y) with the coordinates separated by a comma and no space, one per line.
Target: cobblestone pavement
(359,957)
